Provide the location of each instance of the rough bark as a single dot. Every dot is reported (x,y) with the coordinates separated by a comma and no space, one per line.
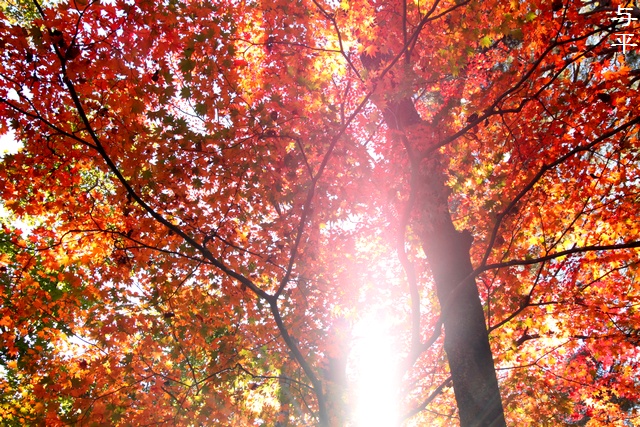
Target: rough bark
(466,338)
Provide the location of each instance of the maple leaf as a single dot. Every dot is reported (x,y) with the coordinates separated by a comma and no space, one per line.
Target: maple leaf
(371,50)
(485,42)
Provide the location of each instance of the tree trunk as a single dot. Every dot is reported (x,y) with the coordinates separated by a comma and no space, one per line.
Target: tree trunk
(466,340)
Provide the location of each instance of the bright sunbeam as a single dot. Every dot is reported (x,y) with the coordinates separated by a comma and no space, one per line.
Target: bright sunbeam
(373,362)
(8,144)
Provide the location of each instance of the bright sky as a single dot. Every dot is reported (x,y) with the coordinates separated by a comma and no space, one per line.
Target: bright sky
(8,144)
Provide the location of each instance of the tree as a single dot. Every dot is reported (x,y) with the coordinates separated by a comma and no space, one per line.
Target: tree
(217,193)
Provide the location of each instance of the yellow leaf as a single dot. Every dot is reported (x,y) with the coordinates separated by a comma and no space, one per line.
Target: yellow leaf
(371,50)
(485,42)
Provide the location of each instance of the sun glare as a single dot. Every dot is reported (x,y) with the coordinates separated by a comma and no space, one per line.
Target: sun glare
(373,367)
(8,144)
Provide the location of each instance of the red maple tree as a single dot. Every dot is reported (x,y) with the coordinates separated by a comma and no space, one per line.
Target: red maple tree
(211,197)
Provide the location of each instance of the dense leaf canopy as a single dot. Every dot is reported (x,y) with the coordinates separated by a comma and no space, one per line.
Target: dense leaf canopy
(213,198)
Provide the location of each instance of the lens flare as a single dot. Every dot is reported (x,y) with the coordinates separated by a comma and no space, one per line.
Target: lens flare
(373,365)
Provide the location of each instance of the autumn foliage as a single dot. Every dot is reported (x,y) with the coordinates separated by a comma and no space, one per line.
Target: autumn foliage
(212,195)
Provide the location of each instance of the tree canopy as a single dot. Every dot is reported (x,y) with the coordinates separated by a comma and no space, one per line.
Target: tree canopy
(214,199)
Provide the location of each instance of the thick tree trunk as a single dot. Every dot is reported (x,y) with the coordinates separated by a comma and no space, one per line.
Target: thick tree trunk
(466,338)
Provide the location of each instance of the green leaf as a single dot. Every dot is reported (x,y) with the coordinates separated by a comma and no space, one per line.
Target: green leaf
(517,34)
(201,109)
(137,106)
(485,42)
(197,183)
(146,174)
(186,65)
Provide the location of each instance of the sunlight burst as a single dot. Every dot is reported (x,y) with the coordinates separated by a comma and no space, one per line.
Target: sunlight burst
(373,366)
